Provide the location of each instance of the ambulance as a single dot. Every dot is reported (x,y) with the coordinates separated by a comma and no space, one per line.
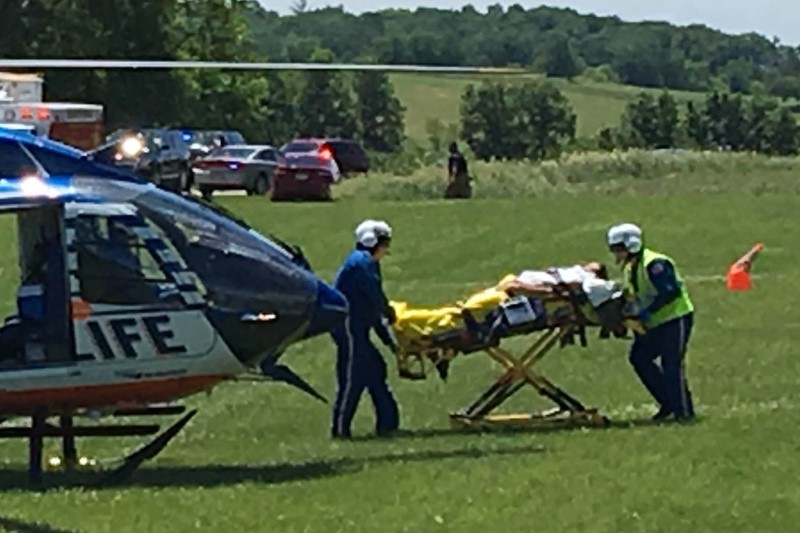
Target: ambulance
(77,124)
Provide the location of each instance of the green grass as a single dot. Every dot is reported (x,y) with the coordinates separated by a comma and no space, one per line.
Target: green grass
(257,458)
(617,173)
(438,96)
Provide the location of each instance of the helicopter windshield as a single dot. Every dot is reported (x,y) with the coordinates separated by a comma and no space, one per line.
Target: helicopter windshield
(195,218)
(239,267)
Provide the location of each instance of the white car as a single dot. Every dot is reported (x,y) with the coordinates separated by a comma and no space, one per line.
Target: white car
(248,167)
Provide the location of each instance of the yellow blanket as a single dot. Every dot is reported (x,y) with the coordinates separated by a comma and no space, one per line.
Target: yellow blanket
(415,323)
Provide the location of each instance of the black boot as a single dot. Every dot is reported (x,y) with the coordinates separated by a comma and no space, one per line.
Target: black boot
(661,415)
(443,368)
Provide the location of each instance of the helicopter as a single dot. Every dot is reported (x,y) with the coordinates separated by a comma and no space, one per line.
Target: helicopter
(132,298)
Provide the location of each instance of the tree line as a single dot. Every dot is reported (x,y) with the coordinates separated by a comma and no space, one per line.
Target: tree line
(535,121)
(266,107)
(532,120)
(558,42)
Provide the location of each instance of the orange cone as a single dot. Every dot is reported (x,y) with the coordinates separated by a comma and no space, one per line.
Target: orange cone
(739,278)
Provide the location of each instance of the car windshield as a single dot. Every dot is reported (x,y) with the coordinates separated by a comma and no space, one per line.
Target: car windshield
(232,153)
(304,161)
(300,147)
(116,135)
(339,145)
(235,137)
(208,137)
(153,138)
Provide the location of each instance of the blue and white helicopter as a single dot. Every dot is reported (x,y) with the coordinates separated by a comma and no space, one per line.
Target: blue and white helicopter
(131,297)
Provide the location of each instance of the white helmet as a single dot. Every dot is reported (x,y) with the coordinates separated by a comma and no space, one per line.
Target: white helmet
(370,231)
(628,235)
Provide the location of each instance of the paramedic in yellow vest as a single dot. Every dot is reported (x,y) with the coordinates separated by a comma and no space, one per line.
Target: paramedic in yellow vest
(667,313)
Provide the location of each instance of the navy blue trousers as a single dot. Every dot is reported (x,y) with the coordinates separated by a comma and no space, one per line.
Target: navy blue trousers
(667,383)
(360,367)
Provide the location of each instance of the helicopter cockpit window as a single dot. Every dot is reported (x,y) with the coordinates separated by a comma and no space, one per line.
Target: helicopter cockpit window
(14,161)
(115,266)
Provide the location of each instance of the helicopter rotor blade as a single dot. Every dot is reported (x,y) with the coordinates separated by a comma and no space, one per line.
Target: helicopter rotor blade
(232,65)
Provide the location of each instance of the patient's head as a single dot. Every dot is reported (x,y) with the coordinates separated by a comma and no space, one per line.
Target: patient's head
(598,269)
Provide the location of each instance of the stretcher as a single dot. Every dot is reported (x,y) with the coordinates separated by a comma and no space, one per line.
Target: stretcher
(430,338)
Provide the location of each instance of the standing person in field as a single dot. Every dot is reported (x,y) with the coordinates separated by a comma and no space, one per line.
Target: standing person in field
(458,181)
(359,364)
(667,313)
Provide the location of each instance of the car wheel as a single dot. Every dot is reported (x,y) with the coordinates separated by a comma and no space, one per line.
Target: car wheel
(206,192)
(156,176)
(262,185)
(185,180)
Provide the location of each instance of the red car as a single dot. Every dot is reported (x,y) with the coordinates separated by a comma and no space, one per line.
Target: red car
(304,176)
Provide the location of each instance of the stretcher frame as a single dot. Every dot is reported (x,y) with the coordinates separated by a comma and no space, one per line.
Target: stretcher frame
(518,373)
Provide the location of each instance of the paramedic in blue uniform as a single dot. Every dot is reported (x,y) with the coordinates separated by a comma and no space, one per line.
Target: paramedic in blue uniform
(667,313)
(359,364)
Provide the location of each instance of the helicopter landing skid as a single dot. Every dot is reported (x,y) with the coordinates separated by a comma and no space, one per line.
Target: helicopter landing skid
(68,432)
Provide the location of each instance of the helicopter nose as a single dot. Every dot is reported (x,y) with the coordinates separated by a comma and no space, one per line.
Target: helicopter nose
(330,310)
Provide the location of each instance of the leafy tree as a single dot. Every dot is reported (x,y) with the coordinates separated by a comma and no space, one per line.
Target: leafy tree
(217,30)
(725,121)
(325,105)
(607,139)
(544,118)
(651,123)
(783,133)
(16,16)
(558,58)
(696,125)
(738,73)
(278,108)
(379,111)
(532,120)
(759,122)
(668,121)
(486,114)
(786,87)
(140,29)
(640,122)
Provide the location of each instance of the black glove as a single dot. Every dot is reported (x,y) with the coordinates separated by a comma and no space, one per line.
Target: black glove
(391,316)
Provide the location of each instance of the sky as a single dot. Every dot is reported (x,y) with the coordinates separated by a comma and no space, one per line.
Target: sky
(772,18)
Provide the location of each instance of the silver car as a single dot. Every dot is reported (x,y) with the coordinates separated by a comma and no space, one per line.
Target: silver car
(246,167)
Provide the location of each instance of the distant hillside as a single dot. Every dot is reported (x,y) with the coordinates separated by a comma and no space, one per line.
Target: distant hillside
(430,97)
(558,42)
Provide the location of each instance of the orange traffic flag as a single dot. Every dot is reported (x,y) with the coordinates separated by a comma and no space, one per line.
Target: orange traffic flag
(739,278)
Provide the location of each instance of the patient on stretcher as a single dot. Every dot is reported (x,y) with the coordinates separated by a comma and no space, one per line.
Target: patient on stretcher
(592,278)
(541,294)
(529,291)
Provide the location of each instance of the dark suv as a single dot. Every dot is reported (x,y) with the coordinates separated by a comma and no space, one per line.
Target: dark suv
(202,141)
(349,155)
(163,155)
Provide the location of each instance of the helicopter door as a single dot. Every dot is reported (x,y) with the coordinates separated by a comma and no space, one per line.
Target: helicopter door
(132,295)
(41,324)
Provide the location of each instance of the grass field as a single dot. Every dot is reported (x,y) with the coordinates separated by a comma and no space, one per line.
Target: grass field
(438,96)
(257,458)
